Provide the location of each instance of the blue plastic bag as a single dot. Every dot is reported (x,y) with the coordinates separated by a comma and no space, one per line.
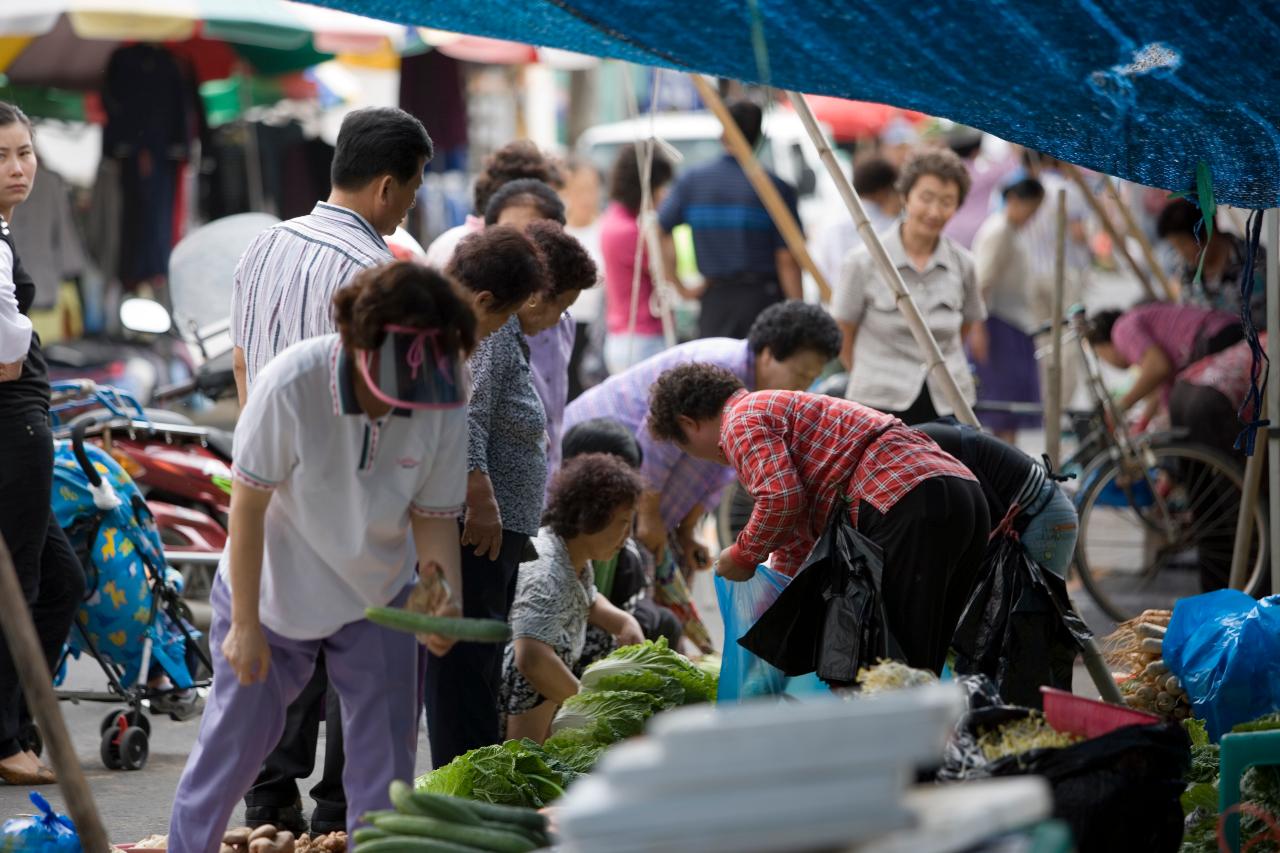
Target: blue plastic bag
(49,832)
(1225,649)
(742,674)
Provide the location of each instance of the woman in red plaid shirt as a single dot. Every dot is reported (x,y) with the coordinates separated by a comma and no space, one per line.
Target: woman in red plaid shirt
(798,454)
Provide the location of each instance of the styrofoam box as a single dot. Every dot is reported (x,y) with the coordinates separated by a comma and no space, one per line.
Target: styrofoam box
(650,763)
(598,817)
(911,725)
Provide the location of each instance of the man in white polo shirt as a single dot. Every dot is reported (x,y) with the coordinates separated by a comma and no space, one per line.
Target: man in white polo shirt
(283,293)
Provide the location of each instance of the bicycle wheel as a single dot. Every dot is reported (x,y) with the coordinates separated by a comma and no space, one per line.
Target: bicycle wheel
(733,513)
(1162,530)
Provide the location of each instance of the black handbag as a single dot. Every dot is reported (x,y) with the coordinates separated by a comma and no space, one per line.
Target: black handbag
(830,619)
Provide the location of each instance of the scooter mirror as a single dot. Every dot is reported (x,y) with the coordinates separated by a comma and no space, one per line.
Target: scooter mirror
(144,315)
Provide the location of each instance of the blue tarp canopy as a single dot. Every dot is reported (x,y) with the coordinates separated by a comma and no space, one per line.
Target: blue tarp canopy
(1142,90)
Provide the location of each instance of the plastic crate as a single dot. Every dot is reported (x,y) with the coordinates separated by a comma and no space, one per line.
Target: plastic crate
(1089,718)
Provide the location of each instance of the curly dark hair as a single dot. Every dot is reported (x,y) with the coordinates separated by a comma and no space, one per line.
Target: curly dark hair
(569,264)
(526,192)
(1178,217)
(587,491)
(698,391)
(407,294)
(502,261)
(602,435)
(624,180)
(791,326)
(1100,325)
(515,160)
(943,164)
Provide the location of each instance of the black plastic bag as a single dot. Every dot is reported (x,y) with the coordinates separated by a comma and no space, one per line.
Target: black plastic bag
(830,618)
(1019,627)
(1118,792)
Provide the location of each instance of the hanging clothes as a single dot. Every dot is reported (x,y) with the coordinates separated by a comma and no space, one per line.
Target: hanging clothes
(48,241)
(148,130)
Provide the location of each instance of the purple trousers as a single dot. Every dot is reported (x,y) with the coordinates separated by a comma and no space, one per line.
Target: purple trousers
(375,673)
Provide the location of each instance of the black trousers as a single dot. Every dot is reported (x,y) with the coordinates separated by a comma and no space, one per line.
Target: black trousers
(295,756)
(919,412)
(462,687)
(934,540)
(1210,419)
(730,305)
(50,574)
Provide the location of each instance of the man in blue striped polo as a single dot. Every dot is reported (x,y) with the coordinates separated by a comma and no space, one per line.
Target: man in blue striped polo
(283,294)
(740,252)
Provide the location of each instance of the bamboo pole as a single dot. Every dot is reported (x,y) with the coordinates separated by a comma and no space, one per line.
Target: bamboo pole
(33,672)
(1170,287)
(924,338)
(1116,239)
(763,184)
(1053,405)
(1253,468)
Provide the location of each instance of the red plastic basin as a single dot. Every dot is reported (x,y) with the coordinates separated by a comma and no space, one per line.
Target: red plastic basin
(1089,718)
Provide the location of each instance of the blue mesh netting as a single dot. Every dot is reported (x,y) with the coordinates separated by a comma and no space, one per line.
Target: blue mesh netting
(1141,90)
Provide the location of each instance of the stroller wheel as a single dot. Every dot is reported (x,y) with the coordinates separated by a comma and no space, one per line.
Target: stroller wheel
(132,717)
(110,750)
(134,748)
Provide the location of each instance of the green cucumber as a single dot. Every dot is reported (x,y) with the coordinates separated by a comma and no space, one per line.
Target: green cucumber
(370,816)
(468,630)
(527,818)
(483,837)
(451,809)
(369,833)
(414,844)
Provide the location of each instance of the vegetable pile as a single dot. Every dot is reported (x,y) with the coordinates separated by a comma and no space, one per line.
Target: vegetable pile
(1259,786)
(619,695)
(1021,736)
(889,675)
(1136,648)
(423,822)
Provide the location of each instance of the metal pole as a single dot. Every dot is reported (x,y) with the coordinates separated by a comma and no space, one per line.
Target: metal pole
(763,185)
(1107,225)
(1273,400)
(924,338)
(33,672)
(1171,290)
(1053,405)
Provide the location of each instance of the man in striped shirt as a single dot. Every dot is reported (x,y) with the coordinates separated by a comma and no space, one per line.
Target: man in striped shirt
(286,279)
(283,294)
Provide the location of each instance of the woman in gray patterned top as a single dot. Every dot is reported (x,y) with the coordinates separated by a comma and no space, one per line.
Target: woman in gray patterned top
(589,516)
(501,269)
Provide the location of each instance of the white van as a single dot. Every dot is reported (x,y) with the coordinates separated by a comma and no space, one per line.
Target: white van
(786,151)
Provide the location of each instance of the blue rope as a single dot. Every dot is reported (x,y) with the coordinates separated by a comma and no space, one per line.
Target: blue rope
(1260,367)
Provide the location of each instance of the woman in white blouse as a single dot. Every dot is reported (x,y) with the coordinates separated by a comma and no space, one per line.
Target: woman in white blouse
(887,370)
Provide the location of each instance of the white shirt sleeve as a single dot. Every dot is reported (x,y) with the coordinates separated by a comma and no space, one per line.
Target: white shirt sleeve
(444,490)
(15,328)
(265,445)
(849,301)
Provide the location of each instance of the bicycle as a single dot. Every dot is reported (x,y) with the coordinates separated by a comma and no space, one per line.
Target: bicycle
(1146,504)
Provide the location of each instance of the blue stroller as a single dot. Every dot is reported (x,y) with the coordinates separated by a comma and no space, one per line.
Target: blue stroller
(133,620)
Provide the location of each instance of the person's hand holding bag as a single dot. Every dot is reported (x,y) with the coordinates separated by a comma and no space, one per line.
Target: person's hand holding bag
(730,569)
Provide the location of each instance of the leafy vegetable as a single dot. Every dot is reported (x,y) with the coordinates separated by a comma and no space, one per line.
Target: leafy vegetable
(1262,724)
(515,773)
(651,667)
(603,716)
(573,759)
(1196,731)
(1203,795)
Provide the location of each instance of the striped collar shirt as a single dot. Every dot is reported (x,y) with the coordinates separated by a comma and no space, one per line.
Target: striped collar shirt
(285,281)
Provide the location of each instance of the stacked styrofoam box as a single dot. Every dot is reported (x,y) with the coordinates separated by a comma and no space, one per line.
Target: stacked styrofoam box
(761,776)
